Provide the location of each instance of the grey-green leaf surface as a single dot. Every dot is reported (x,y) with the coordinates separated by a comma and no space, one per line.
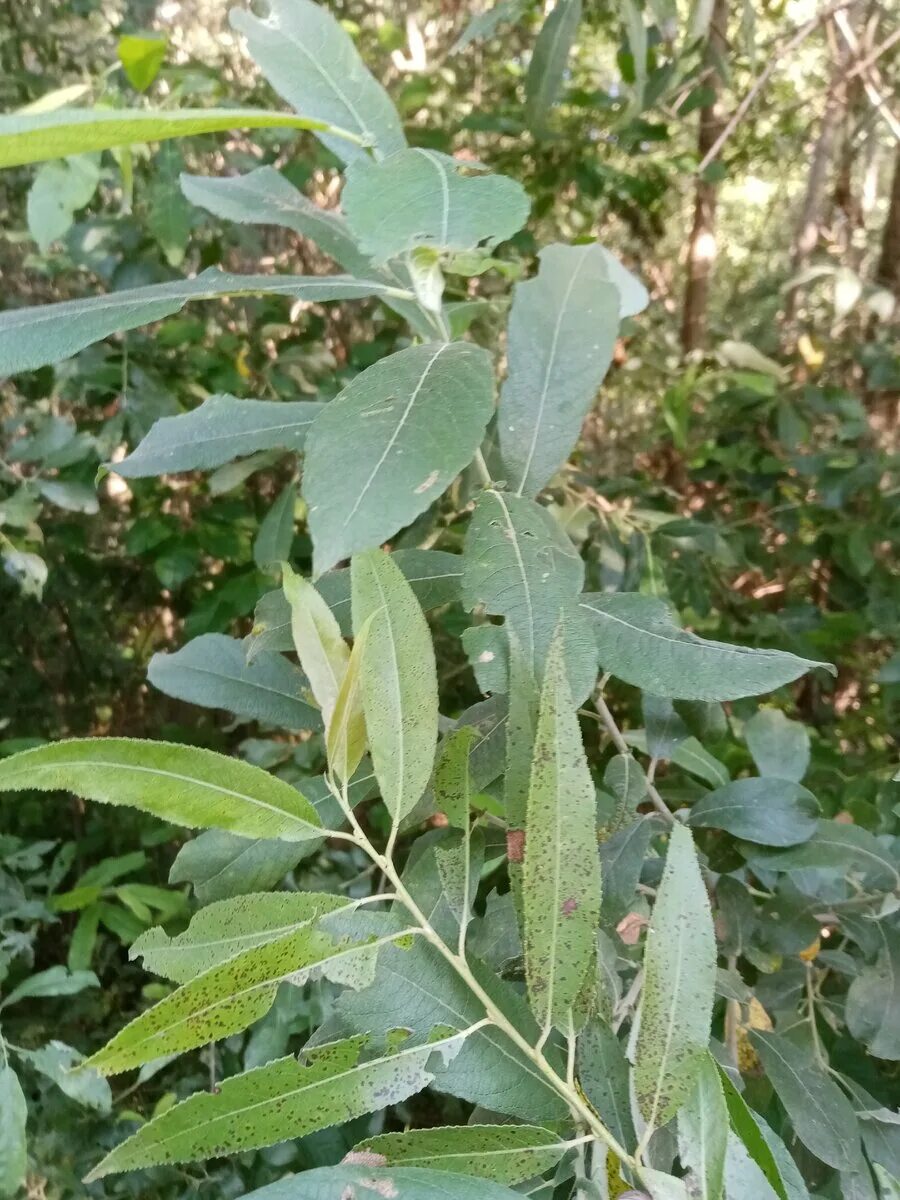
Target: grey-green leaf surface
(311,61)
(520,565)
(422,198)
(183,784)
(37,336)
(399,680)
(873,1001)
(391,443)
(703,1133)
(780,747)
(835,846)
(485,25)
(37,137)
(371,1182)
(603,1074)
(561,872)
(284,1099)
(744,1178)
(773,812)
(228,927)
(549,59)
(640,643)
(212,670)
(13,1114)
(679,986)
(57,1061)
(504,1153)
(562,331)
(746,1125)
(276,531)
(822,1116)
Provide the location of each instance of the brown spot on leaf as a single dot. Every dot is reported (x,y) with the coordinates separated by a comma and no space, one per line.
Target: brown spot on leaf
(515,845)
(569,906)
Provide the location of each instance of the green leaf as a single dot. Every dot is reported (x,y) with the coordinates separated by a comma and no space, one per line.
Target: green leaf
(284,1099)
(322,651)
(276,532)
(370,1183)
(59,190)
(452,785)
(773,812)
(212,670)
(182,784)
(628,783)
(523,709)
(141,58)
(703,1133)
(663,1186)
(47,333)
(747,1127)
(520,565)
(504,1153)
(562,331)
(835,846)
(561,873)
(35,137)
(399,680)
(780,747)
(744,1178)
(422,198)
(549,61)
(229,927)
(640,643)
(13,1114)
(311,61)
(57,1061)
(821,1114)
(390,444)
(485,25)
(603,1074)
(679,986)
(347,735)
(621,859)
(54,981)
(231,995)
(873,1001)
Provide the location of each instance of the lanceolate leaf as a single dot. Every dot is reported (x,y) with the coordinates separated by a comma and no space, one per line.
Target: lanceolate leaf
(275,535)
(603,1075)
(182,784)
(284,1099)
(34,337)
(390,444)
(322,651)
(13,1113)
(775,812)
(745,1125)
(744,1178)
(505,1153)
(36,137)
(640,643)
(548,61)
(679,986)
(562,330)
(347,738)
(703,1133)
(561,874)
(421,198)
(312,63)
(212,670)
(365,1182)
(399,680)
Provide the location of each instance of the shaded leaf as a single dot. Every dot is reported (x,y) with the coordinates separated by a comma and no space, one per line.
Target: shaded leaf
(780,747)
(774,812)
(276,532)
(703,1133)
(603,1074)
(57,1061)
(373,1183)
(873,1000)
(549,60)
(13,1114)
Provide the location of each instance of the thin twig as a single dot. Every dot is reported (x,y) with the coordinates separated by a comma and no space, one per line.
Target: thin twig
(609,724)
(877,100)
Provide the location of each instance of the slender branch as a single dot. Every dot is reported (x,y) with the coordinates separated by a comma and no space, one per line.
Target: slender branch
(609,724)
(875,97)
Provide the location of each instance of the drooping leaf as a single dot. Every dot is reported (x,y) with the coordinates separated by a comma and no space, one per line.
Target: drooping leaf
(679,986)
(504,1153)
(703,1133)
(421,198)
(284,1099)
(57,1061)
(621,859)
(311,62)
(744,1178)
(37,336)
(347,738)
(549,60)
(746,1126)
(13,1114)
(276,532)
(322,651)
(227,928)
(821,1114)
(561,872)
(640,643)
(835,846)
(183,784)
(774,812)
(399,680)
(212,670)
(873,999)
(390,444)
(408,1183)
(603,1074)
(523,706)
(780,747)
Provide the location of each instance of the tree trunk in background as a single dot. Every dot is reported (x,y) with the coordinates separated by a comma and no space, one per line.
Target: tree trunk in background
(702,245)
(888,273)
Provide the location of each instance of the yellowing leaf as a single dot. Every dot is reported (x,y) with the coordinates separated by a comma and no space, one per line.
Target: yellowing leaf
(323,653)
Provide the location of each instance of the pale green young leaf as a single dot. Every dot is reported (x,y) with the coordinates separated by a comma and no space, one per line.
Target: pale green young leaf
(391,443)
(399,680)
(322,651)
(780,747)
(276,531)
(227,928)
(37,137)
(13,1151)
(774,812)
(703,1133)
(422,198)
(311,61)
(183,784)
(284,1099)
(504,1153)
(873,1001)
(822,1116)
(347,738)
(561,871)
(37,336)
(679,986)
(603,1075)
(141,58)
(406,1183)
(640,643)
(212,670)
(549,59)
